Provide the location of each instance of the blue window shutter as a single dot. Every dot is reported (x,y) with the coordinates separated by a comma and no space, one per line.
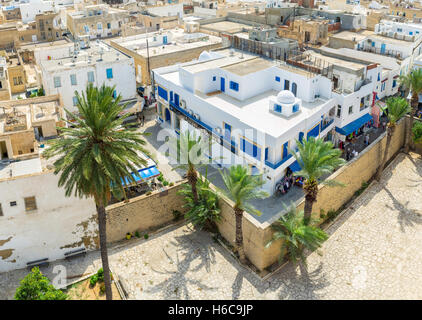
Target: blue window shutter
(277,79)
(109,73)
(162,93)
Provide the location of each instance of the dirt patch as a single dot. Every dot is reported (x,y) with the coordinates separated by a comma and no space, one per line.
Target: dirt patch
(6,253)
(83,291)
(2,242)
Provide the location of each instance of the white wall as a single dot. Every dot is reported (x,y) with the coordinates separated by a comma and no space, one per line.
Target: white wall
(168,10)
(123,78)
(34,7)
(43,233)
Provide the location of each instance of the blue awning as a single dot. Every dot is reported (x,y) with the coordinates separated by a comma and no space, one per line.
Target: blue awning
(354,125)
(145,174)
(295,166)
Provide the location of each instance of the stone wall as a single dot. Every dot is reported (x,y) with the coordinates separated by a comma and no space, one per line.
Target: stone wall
(143,213)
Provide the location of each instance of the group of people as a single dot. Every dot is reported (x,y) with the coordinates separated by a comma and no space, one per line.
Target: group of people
(288,181)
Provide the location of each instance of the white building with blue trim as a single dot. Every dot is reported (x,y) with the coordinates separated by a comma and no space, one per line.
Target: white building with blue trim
(254,108)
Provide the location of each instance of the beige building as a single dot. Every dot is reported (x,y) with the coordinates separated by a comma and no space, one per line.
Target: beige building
(306,31)
(25,122)
(15,72)
(164,49)
(98,21)
(4,82)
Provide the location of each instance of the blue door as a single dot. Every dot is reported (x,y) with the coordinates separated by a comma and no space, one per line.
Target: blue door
(301,134)
(227,132)
(285,151)
(222,84)
(176,99)
(165,40)
(383,48)
(168,117)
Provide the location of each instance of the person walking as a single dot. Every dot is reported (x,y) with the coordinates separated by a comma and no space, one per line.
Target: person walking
(367,139)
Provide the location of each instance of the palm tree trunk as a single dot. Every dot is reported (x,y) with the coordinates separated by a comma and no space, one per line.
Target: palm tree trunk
(309,202)
(193,178)
(239,234)
(103,248)
(384,159)
(414,104)
(311,190)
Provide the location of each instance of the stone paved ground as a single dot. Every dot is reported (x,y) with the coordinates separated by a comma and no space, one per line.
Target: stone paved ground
(374,252)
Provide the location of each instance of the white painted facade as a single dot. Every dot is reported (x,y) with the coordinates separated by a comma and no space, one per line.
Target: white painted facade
(168,10)
(72,74)
(401,28)
(248,108)
(58,224)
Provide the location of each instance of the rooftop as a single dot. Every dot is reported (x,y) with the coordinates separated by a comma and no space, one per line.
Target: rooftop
(19,168)
(98,52)
(22,114)
(227,26)
(180,41)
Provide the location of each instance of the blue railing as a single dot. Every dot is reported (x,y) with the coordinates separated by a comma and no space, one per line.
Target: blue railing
(323,127)
(278,164)
(174,106)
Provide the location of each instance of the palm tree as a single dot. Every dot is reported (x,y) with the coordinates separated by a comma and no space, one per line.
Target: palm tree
(413,83)
(396,109)
(242,187)
(190,150)
(296,236)
(96,155)
(417,132)
(316,158)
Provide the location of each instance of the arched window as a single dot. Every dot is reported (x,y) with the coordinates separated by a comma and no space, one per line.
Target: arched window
(294,88)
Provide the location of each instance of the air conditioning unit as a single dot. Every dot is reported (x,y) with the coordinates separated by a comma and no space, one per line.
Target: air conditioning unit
(218,130)
(197,116)
(183,104)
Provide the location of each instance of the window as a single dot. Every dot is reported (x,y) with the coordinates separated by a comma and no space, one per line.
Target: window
(295,108)
(108,25)
(214,78)
(114,94)
(286,84)
(109,73)
(13,203)
(277,79)
(383,86)
(379,77)
(294,88)
(234,86)
(399,30)
(1,211)
(30,204)
(350,109)
(91,76)
(86,28)
(250,148)
(57,82)
(73,80)
(99,26)
(162,93)
(277,108)
(338,111)
(394,83)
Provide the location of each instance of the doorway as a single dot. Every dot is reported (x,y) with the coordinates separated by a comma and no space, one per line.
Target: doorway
(3,150)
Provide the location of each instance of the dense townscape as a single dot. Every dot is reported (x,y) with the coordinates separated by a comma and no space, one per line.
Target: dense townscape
(210,149)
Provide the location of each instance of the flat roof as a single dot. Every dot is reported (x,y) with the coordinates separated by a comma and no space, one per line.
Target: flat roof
(179,42)
(227,26)
(385,61)
(339,62)
(20,168)
(352,36)
(243,68)
(97,53)
(254,111)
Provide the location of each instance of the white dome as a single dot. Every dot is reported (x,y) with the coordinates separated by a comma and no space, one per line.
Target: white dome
(286,96)
(204,56)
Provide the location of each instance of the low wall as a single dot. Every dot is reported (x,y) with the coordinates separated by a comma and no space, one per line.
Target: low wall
(143,213)
(359,170)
